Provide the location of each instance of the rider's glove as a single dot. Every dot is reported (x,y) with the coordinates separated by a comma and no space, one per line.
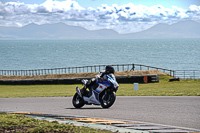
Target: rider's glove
(93,79)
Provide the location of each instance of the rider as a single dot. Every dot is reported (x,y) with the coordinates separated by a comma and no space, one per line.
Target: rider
(109,70)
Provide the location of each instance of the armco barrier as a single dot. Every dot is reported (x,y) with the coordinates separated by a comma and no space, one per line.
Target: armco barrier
(120,79)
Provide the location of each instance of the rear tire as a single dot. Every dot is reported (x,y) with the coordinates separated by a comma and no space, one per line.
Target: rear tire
(77,101)
(107,100)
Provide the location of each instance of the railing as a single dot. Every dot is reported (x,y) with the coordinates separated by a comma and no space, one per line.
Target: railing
(96,68)
(183,74)
(187,74)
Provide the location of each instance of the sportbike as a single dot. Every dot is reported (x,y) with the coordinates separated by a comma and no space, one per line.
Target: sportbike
(102,93)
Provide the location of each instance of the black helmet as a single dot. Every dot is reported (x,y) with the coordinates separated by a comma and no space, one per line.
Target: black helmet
(109,69)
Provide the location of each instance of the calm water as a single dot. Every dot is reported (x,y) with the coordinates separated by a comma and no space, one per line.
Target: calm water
(175,54)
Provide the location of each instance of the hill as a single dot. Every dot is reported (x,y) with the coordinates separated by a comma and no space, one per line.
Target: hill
(184,29)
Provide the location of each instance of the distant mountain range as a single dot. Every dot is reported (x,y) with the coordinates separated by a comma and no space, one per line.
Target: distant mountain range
(184,29)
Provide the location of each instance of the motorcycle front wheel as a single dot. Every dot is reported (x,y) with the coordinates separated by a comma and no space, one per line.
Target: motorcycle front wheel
(108,99)
(77,101)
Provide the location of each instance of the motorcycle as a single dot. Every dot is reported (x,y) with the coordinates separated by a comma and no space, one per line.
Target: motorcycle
(102,93)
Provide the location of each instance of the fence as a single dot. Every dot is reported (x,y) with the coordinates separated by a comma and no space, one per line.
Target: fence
(96,68)
(183,74)
(187,74)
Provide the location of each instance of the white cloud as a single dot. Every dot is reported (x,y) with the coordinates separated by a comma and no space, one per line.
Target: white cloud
(194,8)
(124,19)
(54,6)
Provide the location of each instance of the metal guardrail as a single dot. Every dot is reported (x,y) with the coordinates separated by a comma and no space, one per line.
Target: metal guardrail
(95,68)
(187,74)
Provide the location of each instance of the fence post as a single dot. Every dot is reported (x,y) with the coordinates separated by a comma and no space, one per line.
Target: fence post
(184,74)
(194,74)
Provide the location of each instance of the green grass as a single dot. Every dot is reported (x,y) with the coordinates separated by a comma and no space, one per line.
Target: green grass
(23,124)
(37,90)
(187,87)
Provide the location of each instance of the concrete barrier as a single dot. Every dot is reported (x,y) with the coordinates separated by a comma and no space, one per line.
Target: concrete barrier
(120,79)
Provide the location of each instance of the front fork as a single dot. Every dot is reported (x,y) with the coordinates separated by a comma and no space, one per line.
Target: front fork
(79,91)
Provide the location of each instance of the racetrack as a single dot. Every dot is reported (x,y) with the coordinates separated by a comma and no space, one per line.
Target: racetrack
(182,111)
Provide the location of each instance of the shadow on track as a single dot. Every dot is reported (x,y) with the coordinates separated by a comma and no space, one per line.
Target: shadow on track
(86,108)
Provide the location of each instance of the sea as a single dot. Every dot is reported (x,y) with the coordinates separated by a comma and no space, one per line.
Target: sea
(173,54)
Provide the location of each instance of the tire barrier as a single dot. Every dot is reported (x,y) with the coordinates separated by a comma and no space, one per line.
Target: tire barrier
(120,79)
(174,79)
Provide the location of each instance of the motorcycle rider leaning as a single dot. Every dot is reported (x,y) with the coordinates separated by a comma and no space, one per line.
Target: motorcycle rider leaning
(91,84)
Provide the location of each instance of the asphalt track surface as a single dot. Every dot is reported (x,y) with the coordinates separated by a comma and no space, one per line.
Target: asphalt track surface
(181,111)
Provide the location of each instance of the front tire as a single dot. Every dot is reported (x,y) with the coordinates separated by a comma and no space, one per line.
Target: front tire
(77,101)
(108,99)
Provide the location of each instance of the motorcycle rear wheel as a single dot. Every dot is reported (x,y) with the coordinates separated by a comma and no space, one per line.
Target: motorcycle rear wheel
(108,99)
(77,101)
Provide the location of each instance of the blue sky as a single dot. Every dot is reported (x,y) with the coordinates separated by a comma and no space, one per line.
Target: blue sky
(123,16)
(98,3)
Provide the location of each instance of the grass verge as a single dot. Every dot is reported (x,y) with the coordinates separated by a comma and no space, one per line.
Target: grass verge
(23,124)
(187,87)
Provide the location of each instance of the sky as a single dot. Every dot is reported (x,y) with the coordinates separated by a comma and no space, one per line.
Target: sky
(123,16)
